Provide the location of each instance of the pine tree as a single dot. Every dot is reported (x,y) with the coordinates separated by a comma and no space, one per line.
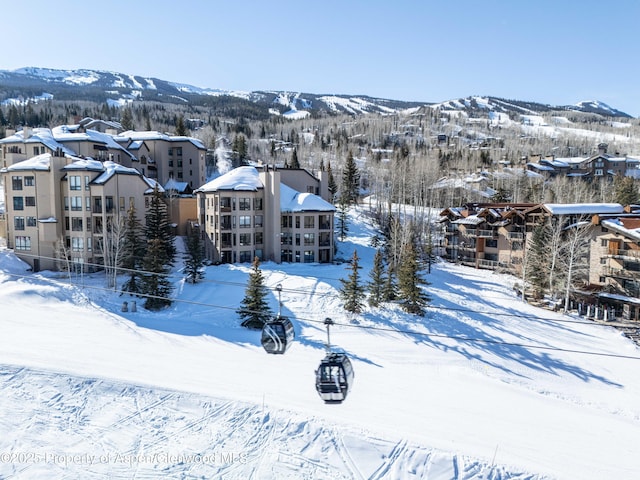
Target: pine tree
(626,191)
(350,181)
(194,260)
(331,181)
(343,225)
(390,289)
(157,225)
(126,120)
(181,129)
(133,251)
(538,257)
(413,299)
(255,311)
(294,159)
(156,285)
(352,291)
(377,283)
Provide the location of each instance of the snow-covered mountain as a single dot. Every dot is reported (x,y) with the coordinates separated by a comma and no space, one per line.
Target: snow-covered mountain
(33,84)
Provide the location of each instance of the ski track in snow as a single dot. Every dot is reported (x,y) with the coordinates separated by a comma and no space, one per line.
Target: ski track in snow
(106,429)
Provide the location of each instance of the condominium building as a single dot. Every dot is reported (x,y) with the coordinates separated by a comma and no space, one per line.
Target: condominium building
(58,206)
(250,212)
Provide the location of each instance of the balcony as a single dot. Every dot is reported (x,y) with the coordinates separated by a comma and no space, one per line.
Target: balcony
(517,236)
(623,254)
(621,273)
(486,234)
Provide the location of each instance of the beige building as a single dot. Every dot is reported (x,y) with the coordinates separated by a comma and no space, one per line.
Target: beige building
(155,155)
(250,212)
(57,204)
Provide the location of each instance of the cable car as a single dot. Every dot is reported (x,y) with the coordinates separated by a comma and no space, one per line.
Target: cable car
(277,335)
(334,377)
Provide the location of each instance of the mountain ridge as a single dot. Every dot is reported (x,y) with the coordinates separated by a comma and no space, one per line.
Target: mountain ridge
(114,88)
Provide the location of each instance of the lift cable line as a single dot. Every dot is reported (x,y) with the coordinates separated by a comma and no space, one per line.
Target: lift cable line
(382,329)
(298,291)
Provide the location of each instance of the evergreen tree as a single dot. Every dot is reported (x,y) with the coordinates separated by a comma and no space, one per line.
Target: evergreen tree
(332,185)
(181,129)
(352,291)
(350,187)
(156,285)
(538,257)
(377,283)
(294,159)
(157,225)
(412,298)
(239,149)
(626,191)
(255,311)
(390,289)
(343,225)
(194,260)
(133,251)
(126,120)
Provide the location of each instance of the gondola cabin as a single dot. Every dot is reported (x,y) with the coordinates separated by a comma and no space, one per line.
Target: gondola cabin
(334,377)
(277,335)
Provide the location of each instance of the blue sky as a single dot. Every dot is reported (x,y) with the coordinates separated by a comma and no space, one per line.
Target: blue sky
(557,52)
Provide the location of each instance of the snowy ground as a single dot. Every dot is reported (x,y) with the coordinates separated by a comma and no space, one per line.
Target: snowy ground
(483,387)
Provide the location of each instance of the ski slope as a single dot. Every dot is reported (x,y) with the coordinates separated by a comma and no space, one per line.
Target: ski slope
(482,387)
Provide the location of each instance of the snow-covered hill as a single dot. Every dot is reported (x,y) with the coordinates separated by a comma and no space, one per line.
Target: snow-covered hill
(482,387)
(119,88)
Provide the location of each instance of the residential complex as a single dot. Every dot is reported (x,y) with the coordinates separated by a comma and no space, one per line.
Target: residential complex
(251,212)
(496,236)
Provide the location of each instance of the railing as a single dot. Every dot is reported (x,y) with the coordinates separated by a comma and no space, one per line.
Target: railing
(621,273)
(620,253)
(515,236)
(487,233)
(492,264)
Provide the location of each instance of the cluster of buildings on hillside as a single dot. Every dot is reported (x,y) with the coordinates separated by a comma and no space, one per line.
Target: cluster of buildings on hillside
(599,165)
(64,187)
(496,236)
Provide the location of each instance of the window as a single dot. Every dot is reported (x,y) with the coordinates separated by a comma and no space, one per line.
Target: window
(77,244)
(179,151)
(16,183)
(298,241)
(76,204)
(309,221)
(285,221)
(604,242)
(257,204)
(66,203)
(286,238)
(257,220)
(18,203)
(29,201)
(18,223)
(88,224)
(245,239)
(76,224)
(74,182)
(297,221)
(258,238)
(171,151)
(245,256)
(87,181)
(245,204)
(108,204)
(87,204)
(23,243)
(29,181)
(121,203)
(245,221)
(31,221)
(309,239)
(598,172)
(225,203)
(309,256)
(89,245)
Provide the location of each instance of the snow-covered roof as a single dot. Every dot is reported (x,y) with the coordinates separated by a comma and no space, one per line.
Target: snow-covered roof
(38,135)
(294,201)
(470,220)
(113,168)
(177,186)
(84,164)
(155,135)
(248,179)
(583,208)
(618,225)
(241,178)
(39,162)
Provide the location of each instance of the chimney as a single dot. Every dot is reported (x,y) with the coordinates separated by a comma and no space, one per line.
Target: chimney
(26,132)
(602,148)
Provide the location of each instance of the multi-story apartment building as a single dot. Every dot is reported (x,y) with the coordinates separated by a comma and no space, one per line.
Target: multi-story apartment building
(249,213)
(155,155)
(496,236)
(60,204)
